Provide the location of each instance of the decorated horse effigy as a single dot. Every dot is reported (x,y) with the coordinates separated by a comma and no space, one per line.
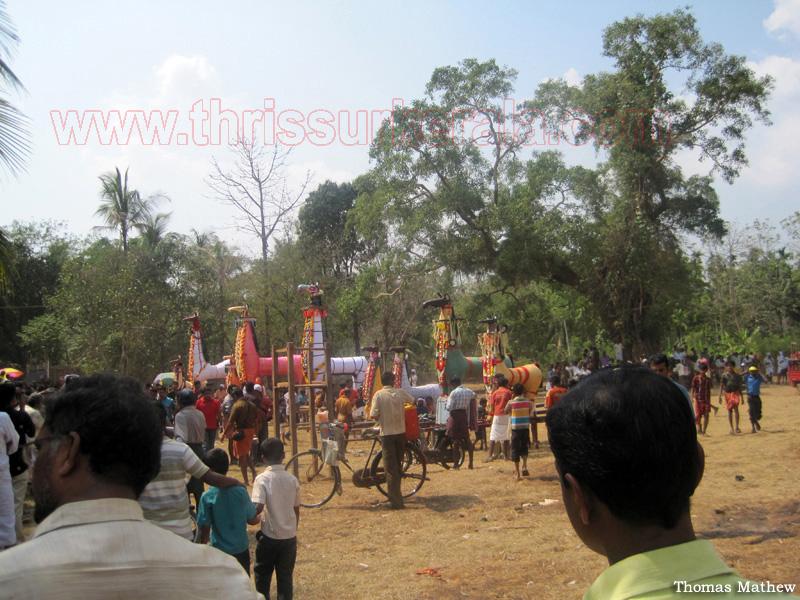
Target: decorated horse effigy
(496,359)
(313,344)
(197,367)
(400,369)
(246,363)
(450,360)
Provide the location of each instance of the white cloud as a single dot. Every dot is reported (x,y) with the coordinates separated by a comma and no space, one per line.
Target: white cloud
(786,73)
(184,76)
(785,18)
(572,77)
(772,150)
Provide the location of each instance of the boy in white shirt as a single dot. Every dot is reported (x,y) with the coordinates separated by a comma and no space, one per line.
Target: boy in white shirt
(279,493)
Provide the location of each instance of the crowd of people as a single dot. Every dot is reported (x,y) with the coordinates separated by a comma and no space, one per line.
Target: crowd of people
(111,459)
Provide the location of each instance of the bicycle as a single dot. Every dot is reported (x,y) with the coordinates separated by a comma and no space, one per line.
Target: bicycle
(320,476)
(444,451)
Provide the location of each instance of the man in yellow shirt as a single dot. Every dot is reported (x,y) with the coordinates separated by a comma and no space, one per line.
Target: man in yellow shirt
(627,456)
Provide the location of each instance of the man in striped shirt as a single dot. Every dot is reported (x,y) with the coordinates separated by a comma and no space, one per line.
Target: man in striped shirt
(165,501)
(458,403)
(520,409)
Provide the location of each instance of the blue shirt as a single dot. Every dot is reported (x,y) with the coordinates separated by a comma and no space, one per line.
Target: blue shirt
(753,384)
(227,512)
(169,405)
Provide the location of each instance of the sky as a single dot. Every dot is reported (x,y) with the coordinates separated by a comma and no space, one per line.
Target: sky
(336,56)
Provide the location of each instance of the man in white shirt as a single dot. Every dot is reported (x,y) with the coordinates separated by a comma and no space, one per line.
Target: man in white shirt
(92,541)
(9,439)
(389,411)
(279,493)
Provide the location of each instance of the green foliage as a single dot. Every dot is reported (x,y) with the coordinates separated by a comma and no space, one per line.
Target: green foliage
(459,195)
(566,256)
(36,253)
(14,137)
(123,208)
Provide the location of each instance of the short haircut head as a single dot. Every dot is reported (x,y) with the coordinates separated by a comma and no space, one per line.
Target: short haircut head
(387,378)
(161,413)
(455,381)
(659,359)
(555,380)
(217,460)
(186,398)
(249,387)
(35,400)
(628,435)
(518,389)
(7,392)
(502,381)
(119,431)
(272,450)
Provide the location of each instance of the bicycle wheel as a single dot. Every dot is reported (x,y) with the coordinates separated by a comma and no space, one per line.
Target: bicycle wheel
(413,471)
(446,447)
(318,481)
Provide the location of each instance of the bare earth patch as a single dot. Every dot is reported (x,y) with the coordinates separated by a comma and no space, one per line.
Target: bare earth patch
(479,534)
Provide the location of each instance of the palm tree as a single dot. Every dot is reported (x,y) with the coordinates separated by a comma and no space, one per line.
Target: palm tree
(123,208)
(14,140)
(153,229)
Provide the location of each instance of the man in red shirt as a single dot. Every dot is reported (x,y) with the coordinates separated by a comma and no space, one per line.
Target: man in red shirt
(211,408)
(554,393)
(500,431)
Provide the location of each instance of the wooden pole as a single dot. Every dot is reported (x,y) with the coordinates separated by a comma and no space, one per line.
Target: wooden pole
(312,416)
(276,400)
(329,384)
(291,405)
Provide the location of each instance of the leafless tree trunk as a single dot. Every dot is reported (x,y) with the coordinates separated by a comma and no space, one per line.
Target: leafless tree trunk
(257,186)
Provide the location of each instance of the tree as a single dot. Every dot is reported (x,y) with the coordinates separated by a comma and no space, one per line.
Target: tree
(257,186)
(640,123)
(123,208)
(6,259)
(153,229)
(38,252)
(330,239)
(14,139)
(441,190)
(613,232)
(211,269)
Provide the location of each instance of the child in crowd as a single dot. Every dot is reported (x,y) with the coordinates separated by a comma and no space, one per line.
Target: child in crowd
(279,493)
(701,393)
(225,514)
(480,430)
(520,408)
(731,386)
(754,379)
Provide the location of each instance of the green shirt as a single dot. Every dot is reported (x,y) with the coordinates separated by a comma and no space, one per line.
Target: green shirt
(227,511)
(675,572)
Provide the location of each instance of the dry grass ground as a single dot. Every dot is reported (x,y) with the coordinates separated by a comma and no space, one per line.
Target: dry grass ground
(488,536)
